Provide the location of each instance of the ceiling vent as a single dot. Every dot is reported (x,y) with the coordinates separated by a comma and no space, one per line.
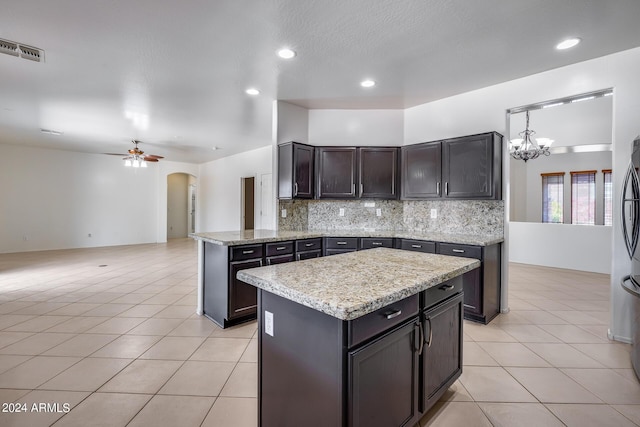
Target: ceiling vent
(22,51)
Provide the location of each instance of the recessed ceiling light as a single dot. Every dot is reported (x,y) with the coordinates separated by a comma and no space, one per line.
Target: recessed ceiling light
(367,83)
(568,43)
(286,53)
(252,91)
(215,148)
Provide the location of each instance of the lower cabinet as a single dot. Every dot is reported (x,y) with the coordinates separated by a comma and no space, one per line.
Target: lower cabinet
(384,369)
(242,297)
(340,245)
(383,381)
(442,351)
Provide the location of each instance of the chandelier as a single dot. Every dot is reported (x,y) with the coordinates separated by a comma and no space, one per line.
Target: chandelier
(526,148)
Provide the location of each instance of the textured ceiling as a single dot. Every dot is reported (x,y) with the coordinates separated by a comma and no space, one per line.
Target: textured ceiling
(173,74)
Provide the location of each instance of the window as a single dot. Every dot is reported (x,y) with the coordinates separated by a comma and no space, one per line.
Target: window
(583,197)
(608,197)
(552,196)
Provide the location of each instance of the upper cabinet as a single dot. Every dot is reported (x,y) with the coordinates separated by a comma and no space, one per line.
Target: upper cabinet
(460,168)
(378,172)
(295,171)
(336,175)
(350,172)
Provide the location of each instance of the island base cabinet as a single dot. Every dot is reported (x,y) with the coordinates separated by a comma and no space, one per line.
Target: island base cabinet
(309,376)
(442,351)
(382,380)
(242,296)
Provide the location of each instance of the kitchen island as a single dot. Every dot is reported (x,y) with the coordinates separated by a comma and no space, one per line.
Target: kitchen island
(369,338)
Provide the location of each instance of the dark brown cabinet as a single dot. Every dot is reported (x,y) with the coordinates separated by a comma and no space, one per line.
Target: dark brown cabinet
(295,171)
(482,285)
(336,175)
(471,167)
(416,245)
(340,245)
(308,248)
(421,170)
(242,297)
(378,172)
(383,381)
(442,350)
(376,242)
(468,168)
(350,172)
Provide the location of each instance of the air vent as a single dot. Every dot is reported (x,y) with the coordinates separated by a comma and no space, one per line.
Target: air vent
(8,47)
(22,51)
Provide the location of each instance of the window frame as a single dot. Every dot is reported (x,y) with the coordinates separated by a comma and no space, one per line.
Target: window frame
(593,208)
(543,177)
(605,173)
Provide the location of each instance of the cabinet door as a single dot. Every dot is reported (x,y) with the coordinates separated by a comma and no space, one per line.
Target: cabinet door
(302,171)
(336,172)
(421,171)
(383,380)
(378,172)
(242,296)
(308,255)
(442,351)
(467,167)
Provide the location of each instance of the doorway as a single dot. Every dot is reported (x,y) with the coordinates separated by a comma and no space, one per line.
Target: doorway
(181,193)
(248,203)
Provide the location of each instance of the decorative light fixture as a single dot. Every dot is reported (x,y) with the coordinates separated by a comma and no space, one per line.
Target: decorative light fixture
(526,148)
(137,159)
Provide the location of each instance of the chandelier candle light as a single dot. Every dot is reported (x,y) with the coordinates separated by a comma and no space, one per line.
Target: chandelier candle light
(526,148)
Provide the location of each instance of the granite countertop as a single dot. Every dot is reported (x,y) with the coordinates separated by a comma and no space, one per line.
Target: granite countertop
(246,237)
(348,286)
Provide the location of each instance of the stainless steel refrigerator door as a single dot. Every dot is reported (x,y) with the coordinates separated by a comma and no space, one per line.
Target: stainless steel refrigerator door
(631,210)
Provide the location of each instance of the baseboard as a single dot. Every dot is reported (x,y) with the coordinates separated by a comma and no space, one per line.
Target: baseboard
(626,340)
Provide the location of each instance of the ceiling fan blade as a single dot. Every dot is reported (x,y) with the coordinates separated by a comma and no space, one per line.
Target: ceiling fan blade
(114,154)
(150,159)
(153,156)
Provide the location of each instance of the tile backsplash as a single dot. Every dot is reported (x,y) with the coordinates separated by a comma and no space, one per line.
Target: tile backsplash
(453,216)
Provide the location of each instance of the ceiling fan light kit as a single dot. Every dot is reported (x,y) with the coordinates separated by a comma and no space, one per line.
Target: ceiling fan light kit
(137,158)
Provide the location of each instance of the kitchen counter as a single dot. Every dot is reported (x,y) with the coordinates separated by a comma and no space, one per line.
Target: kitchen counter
(233,238)
(355,284)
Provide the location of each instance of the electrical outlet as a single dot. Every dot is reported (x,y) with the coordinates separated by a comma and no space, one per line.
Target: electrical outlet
(341,213)
(379,212)
(268,322)
(283,214)
(434,213)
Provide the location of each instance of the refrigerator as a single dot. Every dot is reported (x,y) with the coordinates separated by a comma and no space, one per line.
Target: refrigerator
(631,232)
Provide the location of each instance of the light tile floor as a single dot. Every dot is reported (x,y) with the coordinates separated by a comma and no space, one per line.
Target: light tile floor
(112,333)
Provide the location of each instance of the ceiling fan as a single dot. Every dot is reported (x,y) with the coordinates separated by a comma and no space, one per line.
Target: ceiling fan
(136,157)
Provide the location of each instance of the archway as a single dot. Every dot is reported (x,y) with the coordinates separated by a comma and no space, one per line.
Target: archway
(181,205)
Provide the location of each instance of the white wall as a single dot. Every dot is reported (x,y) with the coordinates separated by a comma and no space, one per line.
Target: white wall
(219,188)
(529,244)
(356,127)
(485,109)
(55,199)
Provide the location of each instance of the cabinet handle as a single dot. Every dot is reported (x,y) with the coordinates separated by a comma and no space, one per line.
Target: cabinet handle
(295,189)
(281,248)
(458,251)
(438,188)
(376,243)
(446,188)
(420,337)
(393,314)
(353,189)
(416,246)
(361,189)
(446,287)
(307,245)
(248,252)
(244,308)
(430,333)
(341,243)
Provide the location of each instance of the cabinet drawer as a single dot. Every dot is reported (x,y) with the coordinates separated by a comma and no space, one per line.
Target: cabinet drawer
(279,248)
(239,253)
(418,246)
(370,325)
(460,250)
(373,242)
(441,292)
(308,245)
(279,259)
(308,255)
(341,243)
